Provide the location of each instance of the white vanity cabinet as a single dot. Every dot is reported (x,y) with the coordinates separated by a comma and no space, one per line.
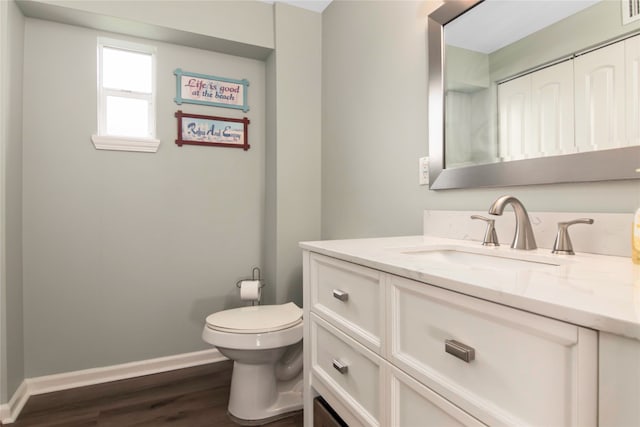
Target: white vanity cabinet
(375,350)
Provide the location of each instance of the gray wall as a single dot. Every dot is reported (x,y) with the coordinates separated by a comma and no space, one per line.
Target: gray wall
(126,253)
(374,129)
(374,118)
(11,345)
(293,180)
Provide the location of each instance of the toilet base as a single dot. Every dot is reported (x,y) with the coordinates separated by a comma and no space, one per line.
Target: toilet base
(256,396)
(263,421)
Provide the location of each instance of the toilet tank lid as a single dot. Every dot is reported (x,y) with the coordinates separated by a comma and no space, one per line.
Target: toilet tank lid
(256,319)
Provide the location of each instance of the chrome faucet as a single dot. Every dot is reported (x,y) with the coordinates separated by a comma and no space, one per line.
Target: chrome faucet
(523,238)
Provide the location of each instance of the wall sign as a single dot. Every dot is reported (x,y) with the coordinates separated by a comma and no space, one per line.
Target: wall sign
(193,88)
(195,129)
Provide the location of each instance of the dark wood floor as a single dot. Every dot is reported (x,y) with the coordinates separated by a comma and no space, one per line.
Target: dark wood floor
(192,397)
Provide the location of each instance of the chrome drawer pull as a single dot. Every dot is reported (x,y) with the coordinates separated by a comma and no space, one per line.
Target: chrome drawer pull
(340,367)
(459,350)
(341,295)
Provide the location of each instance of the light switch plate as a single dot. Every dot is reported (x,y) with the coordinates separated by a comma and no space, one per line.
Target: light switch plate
(423,170)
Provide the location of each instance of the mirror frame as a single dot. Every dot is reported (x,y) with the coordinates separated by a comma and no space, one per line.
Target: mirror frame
(613,164)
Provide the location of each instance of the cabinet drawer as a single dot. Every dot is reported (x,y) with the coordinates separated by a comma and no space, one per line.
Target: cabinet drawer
(349,297)
(349,370)
(413,404)
(526,368)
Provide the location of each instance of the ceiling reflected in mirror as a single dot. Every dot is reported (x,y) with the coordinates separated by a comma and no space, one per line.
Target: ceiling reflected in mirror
(509,21)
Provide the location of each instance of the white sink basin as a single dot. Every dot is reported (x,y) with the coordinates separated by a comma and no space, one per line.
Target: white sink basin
(492,259)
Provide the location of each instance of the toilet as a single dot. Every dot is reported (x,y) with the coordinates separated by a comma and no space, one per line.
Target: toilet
(265,344)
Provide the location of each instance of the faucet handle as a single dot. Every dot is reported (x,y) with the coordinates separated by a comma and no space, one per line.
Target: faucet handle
(490,235)
(563,245)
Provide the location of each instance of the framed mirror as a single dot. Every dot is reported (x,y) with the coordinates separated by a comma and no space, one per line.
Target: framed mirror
(533,92)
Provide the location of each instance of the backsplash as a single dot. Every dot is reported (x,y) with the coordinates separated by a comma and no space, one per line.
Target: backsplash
(610,233)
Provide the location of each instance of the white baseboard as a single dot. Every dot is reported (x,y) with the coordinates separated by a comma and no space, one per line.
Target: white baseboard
(10,411)
(46,384)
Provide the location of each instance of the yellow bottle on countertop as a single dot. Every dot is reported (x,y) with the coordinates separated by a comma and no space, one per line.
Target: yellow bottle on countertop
(635,238)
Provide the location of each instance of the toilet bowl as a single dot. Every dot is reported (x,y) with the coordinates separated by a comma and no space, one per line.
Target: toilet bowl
(265,344)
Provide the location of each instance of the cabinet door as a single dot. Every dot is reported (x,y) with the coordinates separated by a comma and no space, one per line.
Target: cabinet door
(600,98)
(536,113)
(514,114)
(632,66)
(552,111)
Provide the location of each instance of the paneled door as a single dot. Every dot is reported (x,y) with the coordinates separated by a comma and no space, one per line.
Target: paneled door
(632,68)
(552,110)
(600,98)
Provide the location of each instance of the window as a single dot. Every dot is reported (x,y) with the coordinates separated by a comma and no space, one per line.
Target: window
(126,96)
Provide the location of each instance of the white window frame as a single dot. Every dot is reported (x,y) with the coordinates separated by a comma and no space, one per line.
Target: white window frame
(104,141)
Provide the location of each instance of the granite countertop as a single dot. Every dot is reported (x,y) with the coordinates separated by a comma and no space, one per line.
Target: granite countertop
(595,291)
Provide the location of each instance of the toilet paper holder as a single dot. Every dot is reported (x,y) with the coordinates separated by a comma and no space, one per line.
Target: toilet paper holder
(255,275)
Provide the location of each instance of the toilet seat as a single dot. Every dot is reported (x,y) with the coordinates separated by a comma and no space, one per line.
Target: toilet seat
(256,319)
